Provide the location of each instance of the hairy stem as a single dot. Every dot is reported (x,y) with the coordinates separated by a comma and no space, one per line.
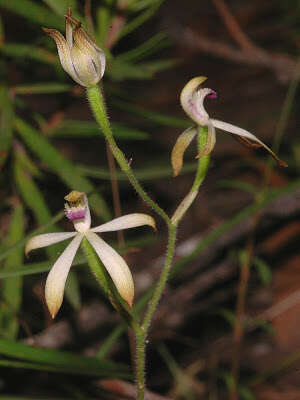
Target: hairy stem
(97,104)
(162,279)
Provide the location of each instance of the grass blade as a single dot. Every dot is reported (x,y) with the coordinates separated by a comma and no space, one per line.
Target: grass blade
(61,166)
(33,12)
(11,290)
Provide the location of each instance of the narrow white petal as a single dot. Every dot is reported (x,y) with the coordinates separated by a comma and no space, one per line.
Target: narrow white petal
(242,132)
(115,265)
(126,222)
(55,284)
(47,239)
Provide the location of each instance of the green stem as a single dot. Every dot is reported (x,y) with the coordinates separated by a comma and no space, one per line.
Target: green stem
(162,279)
(97,104)
(141,337)
(140,365)
(203,164)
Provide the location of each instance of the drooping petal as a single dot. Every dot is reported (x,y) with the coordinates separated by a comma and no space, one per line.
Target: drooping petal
(192,98)
(126,222)
(46,239)
(64,53)
(56,280)
(115,265)
(210,142)
(184,139)
(242,132)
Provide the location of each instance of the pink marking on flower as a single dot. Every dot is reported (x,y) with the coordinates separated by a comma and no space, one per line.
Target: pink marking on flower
(195,110)
(212,94)
(72,215)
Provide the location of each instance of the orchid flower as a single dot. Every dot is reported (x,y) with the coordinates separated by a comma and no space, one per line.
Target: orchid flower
(79,55)
(192,98)
(78,212)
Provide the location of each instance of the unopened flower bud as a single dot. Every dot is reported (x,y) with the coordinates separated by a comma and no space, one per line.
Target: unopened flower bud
(79,55)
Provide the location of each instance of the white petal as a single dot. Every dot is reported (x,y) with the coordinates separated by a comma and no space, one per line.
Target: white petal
(47,239)
(56,280)
(182,142)
(126,222)
(242,132)
(115,265)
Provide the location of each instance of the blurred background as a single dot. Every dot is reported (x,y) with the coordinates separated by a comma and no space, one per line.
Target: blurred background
(228,324)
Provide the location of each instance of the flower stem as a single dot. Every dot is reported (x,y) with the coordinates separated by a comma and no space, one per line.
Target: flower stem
(141,337)
(97,104)
(203,164)
(140,365)
(162,279)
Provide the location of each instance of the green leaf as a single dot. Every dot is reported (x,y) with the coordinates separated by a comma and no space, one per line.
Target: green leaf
(141,18)
(34,12)
(155,117)
(60,6)
(6,124)
(31,194)
(43,88)
(25,161)
(11,290)
(110,341)
(264,271)
(73,128)
(121,70)
(34,200)
(58,361)
(237,184)
(61,166)
(25,51)
(21,243)
(36,268)
(103,18)
(147,48)
(148,173)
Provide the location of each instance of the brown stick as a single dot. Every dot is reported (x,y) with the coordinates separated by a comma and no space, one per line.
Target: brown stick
(233,27)
(283,65)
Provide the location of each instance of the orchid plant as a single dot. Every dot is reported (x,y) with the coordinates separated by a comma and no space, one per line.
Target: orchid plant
(84,61)
(78,212)
(192,101)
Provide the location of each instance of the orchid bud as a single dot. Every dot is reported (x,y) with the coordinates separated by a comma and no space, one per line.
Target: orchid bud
(79,55)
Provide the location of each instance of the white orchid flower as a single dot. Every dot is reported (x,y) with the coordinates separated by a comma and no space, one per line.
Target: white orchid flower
(79,55)
(77,211)
(192,99)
